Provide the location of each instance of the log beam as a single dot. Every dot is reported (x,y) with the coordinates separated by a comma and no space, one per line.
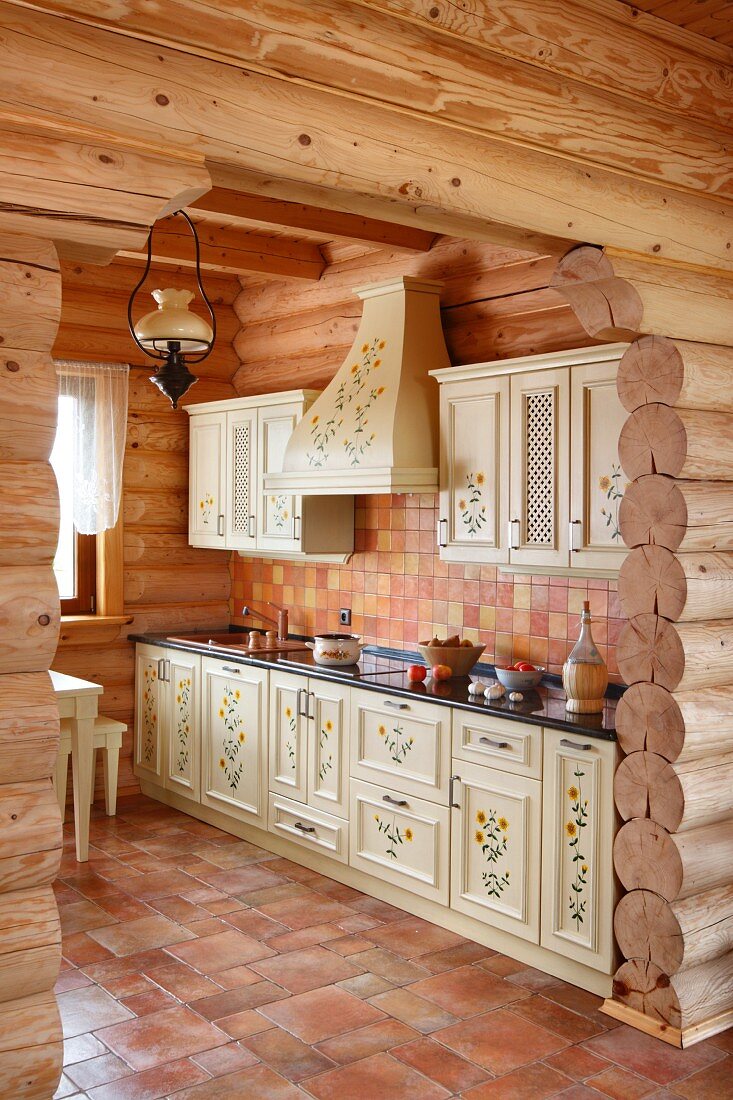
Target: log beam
(684,443)
(679,515)
(683,725)
(677,373)
(693,586)
(677,657)
(675,935)
(677,796)
(647,857)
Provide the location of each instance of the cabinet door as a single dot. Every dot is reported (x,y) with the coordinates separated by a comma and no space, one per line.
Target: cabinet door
(182,720)
(495,872)
(401,743)
(577,838)
(289,735)
(597,483)
(400,839)
(328,746)
(150,705)
(234,739)
(540,429)
(474,470)
(206,463)
(279,522)
(241,480)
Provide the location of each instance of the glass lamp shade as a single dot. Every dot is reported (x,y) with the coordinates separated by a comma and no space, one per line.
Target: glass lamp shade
(173,322)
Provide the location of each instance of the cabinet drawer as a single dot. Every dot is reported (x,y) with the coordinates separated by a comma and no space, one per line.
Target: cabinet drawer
(401,742)
(310,828)
(510,746)
(406,844)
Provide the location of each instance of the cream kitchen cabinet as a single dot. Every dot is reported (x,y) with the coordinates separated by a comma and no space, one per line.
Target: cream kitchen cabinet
(578,827)
(150,696)
(495,842)
(309,741)
(546,426)
(167,734)
(233,446)
(234,734)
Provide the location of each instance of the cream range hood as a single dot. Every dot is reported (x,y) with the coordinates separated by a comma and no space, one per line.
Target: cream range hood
(374,429)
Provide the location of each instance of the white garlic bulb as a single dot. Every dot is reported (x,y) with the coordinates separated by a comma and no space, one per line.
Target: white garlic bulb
(516,697)
(476,688)
(495,691)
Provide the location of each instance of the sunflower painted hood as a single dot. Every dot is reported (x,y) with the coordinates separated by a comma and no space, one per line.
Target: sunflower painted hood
(374,429)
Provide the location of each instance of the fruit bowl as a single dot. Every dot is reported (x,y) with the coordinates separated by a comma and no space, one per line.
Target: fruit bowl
(513,680)
(460,659)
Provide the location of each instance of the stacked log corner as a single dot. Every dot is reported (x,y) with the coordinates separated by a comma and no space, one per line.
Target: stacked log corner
(674,788)
(30,824)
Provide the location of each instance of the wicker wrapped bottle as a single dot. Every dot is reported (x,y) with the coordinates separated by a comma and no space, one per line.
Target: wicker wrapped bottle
(584,674)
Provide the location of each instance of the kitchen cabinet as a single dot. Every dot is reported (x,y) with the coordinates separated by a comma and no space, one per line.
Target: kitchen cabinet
(497,742)
(495,841)
(542,432)
(234,445)
(182,723)
(309,741)
(149,748)
(234,736)
(311,829)
(578,827)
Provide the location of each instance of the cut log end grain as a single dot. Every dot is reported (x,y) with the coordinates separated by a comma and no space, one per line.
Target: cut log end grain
(683,1000)
(653,512)
(648,717)
(647,989)
(646,928)
(645,857)
(652,581)
(646,785)
(651,370)
(649,649)
(653,441)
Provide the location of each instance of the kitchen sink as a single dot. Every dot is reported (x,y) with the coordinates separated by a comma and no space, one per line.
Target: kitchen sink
(237,642)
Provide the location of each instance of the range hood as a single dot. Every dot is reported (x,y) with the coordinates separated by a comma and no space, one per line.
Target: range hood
(374,429)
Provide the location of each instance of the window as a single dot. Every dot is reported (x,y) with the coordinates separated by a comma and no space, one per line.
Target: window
(75,564)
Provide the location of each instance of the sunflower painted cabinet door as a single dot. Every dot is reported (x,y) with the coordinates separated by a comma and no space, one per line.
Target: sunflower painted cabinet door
(279,519)
(183,673)
(289,735)
(206,471)
(577,838)
(495,872)
(150,701)
(597,482)
(234,739)
(328,746)
(474,469)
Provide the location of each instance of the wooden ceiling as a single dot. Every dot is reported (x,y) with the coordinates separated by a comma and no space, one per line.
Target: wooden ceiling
(709,18)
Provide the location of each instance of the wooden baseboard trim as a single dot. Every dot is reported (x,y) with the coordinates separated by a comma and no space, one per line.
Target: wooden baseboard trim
(638,1020)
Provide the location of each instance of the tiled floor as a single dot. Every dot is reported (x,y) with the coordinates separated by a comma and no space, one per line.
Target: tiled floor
(197,965)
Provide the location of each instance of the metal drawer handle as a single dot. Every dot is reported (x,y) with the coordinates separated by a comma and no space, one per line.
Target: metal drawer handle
(394,801)
(573,745)
(494,744)
(451,795)
(304,828)
(396,706)
(231,668)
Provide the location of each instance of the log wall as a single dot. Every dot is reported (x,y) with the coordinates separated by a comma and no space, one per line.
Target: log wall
(674,789)
(166,583)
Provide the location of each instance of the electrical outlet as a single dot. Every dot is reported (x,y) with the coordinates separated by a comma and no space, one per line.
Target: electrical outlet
(345,616)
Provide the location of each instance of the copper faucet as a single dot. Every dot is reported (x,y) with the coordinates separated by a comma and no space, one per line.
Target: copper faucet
(281,622)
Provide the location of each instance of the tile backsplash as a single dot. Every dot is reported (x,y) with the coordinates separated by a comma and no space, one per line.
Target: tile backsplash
(400,592)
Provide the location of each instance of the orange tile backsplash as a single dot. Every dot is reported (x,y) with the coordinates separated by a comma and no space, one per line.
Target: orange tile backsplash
(400,592)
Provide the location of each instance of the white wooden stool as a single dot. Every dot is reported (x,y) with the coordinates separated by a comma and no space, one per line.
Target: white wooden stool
(108,737)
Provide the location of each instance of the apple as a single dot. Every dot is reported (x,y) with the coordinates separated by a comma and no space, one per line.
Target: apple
(441,672)
(525,666)
(416,673)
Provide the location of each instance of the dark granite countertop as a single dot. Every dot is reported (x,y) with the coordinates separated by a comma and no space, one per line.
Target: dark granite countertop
(386,671)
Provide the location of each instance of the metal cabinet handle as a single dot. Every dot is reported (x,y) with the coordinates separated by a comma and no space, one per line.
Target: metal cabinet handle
(161,669)
(396,706)
(303,828)
(251,527)
(310,695)
(302,713)
(167,670)
(575,529)
(451,797)
(442,532)
(220,524)
(394,801)
(573,745)
(494,744)
(514,542)
(297,526)
(231,668)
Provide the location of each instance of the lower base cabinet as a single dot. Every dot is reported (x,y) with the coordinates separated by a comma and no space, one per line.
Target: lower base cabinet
(182,770)
(310,828)
(495,867)
(400,839)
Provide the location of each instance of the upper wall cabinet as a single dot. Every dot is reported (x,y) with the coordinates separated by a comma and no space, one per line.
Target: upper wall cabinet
(530,476)
(233,446)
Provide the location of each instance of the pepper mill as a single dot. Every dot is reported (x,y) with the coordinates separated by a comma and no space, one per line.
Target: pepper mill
(584,674)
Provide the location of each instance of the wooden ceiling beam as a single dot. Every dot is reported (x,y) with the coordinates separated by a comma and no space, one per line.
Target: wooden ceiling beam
(236,252)
(295,215)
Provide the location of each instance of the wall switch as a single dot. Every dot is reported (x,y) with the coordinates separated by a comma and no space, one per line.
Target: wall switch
(345,616)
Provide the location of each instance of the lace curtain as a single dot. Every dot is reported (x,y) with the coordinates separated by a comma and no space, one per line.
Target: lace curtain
(99,395)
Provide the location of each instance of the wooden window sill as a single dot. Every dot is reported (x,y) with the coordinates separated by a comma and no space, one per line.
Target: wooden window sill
(81,629)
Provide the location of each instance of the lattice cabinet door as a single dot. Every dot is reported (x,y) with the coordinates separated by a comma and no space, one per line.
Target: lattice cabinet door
(207,460)
(474,470)
(279,517)
(540,438)
(241,480)
(597,482)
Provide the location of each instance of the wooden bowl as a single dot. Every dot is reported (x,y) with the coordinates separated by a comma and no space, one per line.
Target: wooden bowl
(459,659)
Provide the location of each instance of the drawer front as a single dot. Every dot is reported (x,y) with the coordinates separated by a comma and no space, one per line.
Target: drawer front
(406,844)
(310,828)
(401,743)
(498,743)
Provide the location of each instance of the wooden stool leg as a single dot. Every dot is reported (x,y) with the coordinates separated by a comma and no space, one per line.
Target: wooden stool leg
(94,776)
(60,778)
(111,765)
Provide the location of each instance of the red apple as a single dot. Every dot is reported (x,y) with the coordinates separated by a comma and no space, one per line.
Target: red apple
(416,673)
(441,672)
(525,666)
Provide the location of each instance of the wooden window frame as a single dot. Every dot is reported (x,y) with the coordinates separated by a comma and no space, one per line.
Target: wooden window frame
(85,567)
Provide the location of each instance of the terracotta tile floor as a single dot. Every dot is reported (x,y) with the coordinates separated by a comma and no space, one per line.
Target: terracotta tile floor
(200,966)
